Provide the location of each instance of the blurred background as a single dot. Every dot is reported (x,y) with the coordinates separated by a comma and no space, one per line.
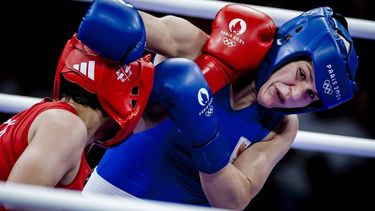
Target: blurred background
(34,33)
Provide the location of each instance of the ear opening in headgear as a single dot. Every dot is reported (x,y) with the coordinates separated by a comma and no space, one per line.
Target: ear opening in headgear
(134,104)
(298,29)
(135,90)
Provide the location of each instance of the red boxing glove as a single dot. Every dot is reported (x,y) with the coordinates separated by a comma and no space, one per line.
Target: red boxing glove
(240,39)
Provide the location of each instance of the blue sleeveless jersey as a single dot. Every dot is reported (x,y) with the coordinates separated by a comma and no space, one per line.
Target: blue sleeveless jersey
(156,164)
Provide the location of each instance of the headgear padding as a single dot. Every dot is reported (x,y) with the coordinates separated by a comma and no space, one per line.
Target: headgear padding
(122,90)
(316,35)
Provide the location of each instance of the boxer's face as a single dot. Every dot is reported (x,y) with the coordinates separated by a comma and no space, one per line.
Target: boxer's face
(292,86)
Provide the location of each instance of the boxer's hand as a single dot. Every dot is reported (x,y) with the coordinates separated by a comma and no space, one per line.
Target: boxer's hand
(114,30)
(181,87)
(240,39)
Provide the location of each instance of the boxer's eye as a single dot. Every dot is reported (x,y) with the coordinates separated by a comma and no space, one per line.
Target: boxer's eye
(301,74)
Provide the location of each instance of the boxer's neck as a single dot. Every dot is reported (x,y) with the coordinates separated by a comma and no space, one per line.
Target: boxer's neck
(242,96)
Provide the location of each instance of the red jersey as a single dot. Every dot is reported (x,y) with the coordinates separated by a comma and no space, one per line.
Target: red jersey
(14,140)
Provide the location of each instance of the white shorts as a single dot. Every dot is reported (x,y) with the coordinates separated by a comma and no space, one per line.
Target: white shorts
(98,185)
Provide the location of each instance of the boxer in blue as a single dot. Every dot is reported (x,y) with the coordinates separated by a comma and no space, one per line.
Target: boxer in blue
(219,150)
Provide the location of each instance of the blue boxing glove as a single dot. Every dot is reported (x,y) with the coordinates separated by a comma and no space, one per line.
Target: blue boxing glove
(114,29)
(181,88)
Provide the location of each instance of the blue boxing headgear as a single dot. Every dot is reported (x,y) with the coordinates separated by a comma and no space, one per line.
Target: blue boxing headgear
(318,36)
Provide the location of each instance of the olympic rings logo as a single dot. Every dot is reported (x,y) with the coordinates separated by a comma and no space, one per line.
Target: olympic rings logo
(327,87)
(228,42)
(210,111)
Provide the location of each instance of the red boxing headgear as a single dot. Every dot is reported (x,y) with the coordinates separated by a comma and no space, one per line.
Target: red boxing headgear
(122,90)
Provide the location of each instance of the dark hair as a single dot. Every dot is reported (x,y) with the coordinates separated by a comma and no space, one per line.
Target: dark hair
(80,95)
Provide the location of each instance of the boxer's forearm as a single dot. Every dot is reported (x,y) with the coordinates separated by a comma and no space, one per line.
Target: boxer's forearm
(172,36)
(228,188)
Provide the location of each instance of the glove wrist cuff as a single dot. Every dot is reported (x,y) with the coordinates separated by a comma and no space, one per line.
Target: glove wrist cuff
(213,156)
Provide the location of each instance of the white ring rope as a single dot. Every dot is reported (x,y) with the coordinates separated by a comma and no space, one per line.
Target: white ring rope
(16,103)
(339,144)
(32,196)
(207,9)
(305,140)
